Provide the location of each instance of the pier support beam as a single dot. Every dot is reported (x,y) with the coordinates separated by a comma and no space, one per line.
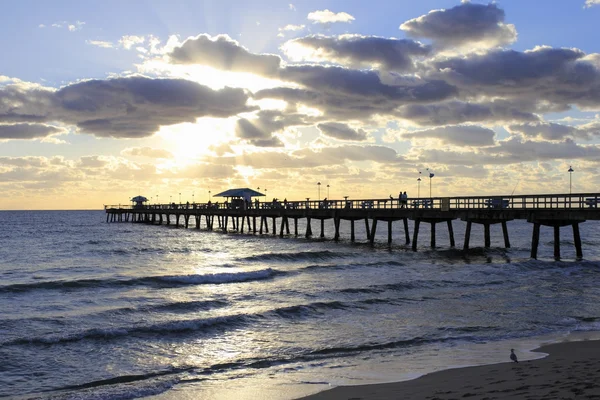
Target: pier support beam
(432,222)
(308,228)
(556,225)
(486,222)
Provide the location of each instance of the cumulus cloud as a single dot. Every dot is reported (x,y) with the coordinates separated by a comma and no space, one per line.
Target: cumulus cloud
(148,152)
(311,158)
(357,50)
(329,17)
(259,131)
(123,107)
(468,24)
(342,131)
(224,53)
(459,135)
(129,41)
(28,131)
(457,112)
(556,76)
(554,131)
(590,3)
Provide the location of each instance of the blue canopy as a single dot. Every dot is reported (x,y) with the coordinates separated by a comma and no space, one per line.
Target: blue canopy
(243,192)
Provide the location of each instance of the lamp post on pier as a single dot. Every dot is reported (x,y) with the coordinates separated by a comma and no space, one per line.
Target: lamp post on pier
(319,190)
(179,197)
(193,201)
(419,186)
(431,175)
(570,176)
(327,191)
(209,195)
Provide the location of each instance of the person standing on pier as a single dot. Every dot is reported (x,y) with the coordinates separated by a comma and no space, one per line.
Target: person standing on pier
(403,200)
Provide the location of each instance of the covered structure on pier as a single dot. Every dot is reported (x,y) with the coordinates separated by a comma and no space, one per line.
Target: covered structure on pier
(240,198)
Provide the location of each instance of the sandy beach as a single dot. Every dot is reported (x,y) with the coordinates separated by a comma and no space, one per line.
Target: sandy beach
(570,371)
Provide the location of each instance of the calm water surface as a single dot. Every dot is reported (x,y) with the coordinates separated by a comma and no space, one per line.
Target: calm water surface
(120,311)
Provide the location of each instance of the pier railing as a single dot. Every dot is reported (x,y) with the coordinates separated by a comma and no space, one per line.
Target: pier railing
(535,201)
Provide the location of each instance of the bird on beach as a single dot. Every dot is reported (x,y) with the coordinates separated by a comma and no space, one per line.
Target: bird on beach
(513,356)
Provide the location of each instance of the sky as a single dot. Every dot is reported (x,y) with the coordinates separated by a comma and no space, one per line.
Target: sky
(180,100)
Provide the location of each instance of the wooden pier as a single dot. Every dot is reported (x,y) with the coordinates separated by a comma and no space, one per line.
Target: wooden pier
(552,210)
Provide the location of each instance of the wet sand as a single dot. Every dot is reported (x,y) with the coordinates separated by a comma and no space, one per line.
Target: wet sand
(571,371)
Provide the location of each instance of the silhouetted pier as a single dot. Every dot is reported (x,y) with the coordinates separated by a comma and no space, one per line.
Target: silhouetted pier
(552,210)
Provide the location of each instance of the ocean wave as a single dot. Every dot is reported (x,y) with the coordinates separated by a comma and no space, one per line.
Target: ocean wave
(165,328)
(354,265)
(159,280)
(298,256)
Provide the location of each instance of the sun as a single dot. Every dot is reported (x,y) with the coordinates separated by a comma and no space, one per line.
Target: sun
(189,141)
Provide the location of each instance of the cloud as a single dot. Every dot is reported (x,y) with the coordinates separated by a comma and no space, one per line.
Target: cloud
(310,158)
(366,84)
(259,131)
(468,24)
(554,131)
(292,7)
(147,152)
(292,28)
(28,131)
(129,41)
(457,112)
(130,107)
(342,131)
(357,50)
(100,43)
(329,17)
(458,135)
(70,26)
(590,3)
(224,53)
(558,77)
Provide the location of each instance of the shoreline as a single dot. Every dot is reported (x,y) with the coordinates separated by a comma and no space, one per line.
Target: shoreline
(570,369)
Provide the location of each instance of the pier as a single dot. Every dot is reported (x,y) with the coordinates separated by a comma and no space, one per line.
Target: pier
(549,210)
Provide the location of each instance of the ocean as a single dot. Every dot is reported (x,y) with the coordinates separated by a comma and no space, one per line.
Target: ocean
(96,310)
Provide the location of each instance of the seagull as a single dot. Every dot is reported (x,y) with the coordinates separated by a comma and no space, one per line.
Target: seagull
(513,356)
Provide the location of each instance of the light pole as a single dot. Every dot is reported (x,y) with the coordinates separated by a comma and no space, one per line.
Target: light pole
(570,176)
(319,191)
(157,200)
(209,195)
(193,201)
(430,176)
(327,191)
(419,186)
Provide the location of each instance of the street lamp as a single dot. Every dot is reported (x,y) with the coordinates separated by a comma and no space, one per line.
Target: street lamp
(419,186)
(570,176)
(193,201)
(319,191)
(179,197)
(209,195)
(431,175)
(327,191)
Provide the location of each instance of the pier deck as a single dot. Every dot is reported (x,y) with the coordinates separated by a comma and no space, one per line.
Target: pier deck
(553,210)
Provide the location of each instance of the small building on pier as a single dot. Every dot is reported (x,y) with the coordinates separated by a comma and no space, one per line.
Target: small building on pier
(139,202)
(239,199)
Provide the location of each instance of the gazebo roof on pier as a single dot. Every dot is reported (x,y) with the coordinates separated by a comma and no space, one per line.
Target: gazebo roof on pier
(243,192)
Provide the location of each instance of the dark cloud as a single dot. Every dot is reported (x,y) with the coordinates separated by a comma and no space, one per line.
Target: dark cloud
(342,131)
(554,131)
(259,131)
(310,158)
(456,112)
(224,53)
(27,131)
(465,24)
(459,135)
(123,108)
(366,84)
(357,50)
(557,76)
